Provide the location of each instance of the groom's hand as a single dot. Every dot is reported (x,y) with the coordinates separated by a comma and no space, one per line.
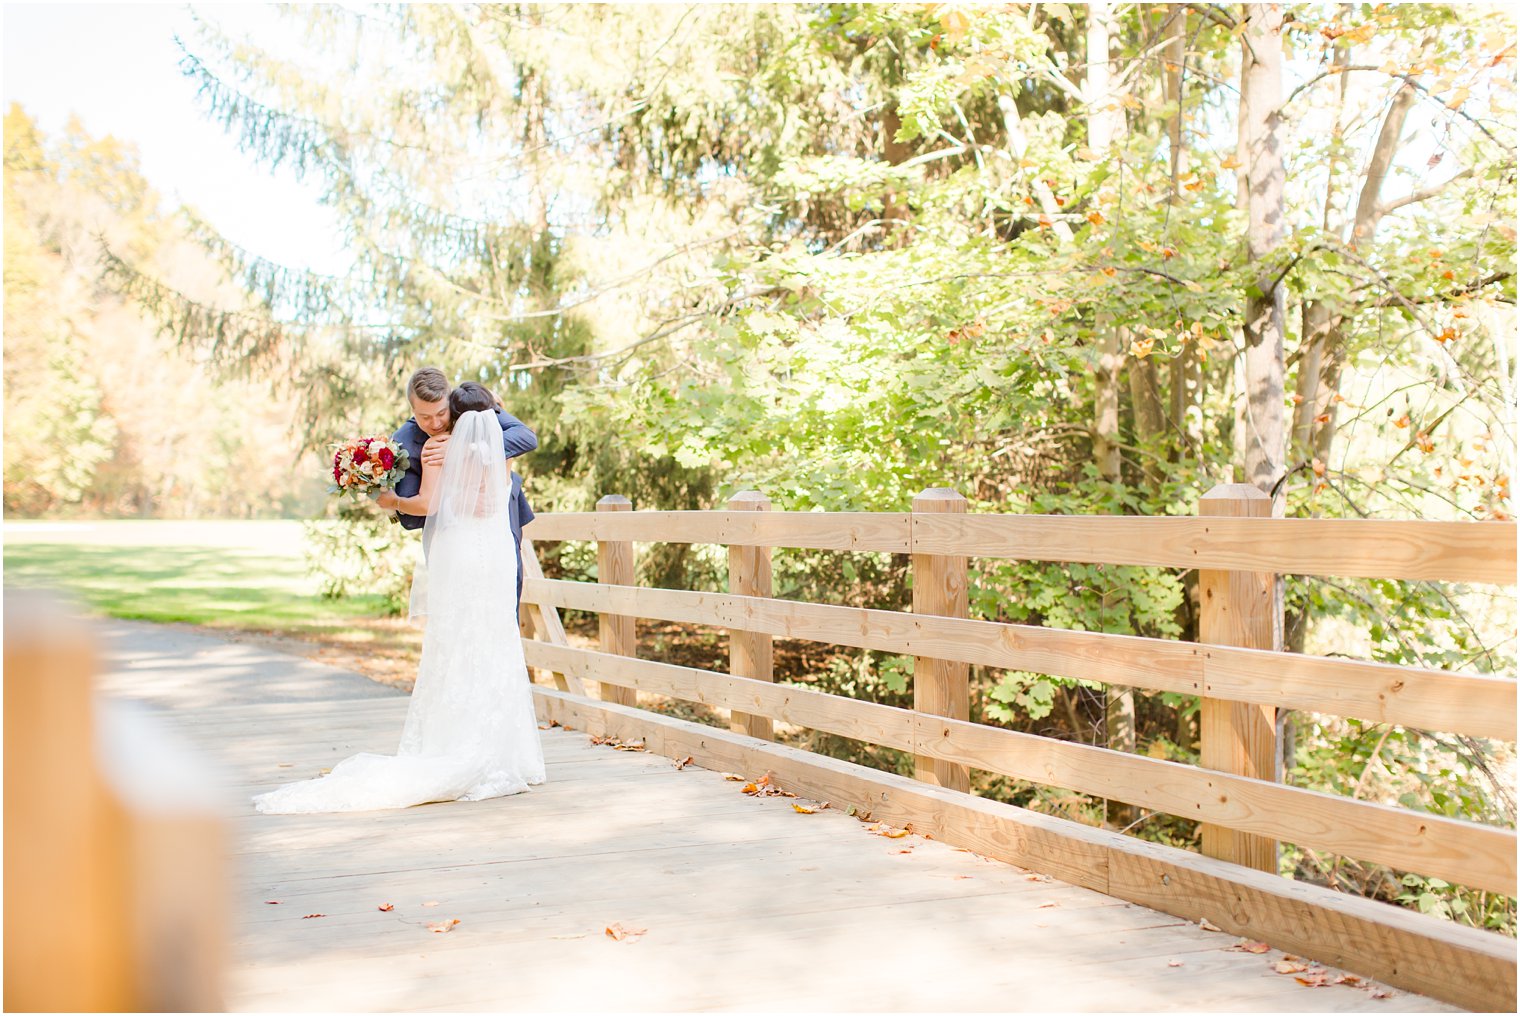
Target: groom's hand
(432,452)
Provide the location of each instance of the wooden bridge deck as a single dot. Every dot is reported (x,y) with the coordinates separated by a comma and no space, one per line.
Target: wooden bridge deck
(743,902)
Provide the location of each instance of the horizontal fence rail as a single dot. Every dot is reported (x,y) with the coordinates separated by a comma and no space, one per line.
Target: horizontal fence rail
(1377,692)
(1478,552)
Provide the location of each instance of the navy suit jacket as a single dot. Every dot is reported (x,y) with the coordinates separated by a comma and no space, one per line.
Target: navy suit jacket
(516,438)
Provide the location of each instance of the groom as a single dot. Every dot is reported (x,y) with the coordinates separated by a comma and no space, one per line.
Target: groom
(428,393)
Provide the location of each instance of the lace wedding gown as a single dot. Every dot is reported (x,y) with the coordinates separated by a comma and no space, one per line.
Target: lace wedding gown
(470,731)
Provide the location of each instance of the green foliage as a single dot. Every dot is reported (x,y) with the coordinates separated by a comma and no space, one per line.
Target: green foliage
(359,553)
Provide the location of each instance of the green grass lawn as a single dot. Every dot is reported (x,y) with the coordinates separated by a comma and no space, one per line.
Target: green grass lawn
(238,575)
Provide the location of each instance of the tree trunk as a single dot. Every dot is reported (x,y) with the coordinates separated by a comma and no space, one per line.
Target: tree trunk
(1263,440)
(1104,121)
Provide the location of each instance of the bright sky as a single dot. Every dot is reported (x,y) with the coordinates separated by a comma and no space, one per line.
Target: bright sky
(117,67)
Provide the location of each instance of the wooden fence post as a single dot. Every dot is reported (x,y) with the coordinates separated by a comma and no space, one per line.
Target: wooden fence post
(941,687)
(614,566)
(749,653)
(1238,737)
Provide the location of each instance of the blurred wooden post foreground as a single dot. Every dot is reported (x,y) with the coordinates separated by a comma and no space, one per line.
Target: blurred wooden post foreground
(115,889)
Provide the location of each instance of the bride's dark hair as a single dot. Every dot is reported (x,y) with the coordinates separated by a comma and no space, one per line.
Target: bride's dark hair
(471,396)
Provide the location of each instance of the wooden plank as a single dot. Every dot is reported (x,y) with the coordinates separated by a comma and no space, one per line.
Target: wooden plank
(863,721)
(1465,966)
(1466,853)
(884,532)
(64,829)
(1427,699)
(940,686)
(1477,704)
(614,565)
(546,619)
(1238,608)
(1480,552)
(750,653)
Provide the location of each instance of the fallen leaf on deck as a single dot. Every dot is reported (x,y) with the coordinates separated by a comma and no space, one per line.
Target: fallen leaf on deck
(1046,906)
(617,932)
(386,907)
(765,780)
(323,772)
(802,809)
(1380,994)
(1245,945)
(1208,925)
(964,876)
(688,760)
(1289,967)
(1315,979)
(1036,878)
(630,745)
(442,926)
(904,850)
(733,776)
(1174,963)
(285,765)
(310,916)
(1349,979)
(750,788)
(895,834)
(431,903)
(271,901)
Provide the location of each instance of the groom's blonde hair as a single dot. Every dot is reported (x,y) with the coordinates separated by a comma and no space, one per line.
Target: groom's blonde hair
(428,385)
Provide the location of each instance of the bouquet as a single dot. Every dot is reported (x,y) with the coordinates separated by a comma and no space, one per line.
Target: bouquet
(367,466)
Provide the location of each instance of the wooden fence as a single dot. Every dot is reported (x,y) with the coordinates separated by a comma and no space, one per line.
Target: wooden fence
(1237,671)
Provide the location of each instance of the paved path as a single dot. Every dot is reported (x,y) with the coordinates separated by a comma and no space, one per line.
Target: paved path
(742,903)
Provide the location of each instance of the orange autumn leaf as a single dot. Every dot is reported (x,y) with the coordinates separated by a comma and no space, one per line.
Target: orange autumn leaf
(1297,399)
(802,808)
(1402,421)
(386,907)
(439,927)
(618,933)
(310,916)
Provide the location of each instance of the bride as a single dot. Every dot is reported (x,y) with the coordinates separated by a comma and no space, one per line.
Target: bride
(470,730)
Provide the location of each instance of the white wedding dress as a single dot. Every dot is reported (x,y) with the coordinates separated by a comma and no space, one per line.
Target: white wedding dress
(470,730)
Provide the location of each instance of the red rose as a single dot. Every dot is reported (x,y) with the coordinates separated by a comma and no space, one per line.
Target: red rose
(337,473)
(387,458)
(360,456)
